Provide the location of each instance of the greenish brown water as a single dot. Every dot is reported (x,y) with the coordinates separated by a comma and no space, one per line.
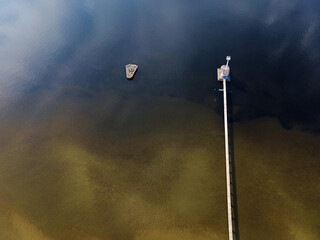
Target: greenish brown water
(83,171)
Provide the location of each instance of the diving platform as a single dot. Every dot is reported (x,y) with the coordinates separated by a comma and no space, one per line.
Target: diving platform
(224,71)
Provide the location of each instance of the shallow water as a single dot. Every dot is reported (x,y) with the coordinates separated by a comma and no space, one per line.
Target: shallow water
(86,154)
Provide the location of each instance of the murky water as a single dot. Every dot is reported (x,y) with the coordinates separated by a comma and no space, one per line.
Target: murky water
(86,154)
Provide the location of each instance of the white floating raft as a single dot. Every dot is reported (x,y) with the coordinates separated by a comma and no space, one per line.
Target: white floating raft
(131,69)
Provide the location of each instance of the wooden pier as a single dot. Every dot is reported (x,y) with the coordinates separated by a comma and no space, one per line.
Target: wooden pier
(223,75)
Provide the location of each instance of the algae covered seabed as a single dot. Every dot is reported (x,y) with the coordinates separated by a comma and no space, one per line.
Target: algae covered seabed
(121,167)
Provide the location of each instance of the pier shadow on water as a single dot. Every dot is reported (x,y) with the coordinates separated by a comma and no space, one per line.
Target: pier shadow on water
(233,166)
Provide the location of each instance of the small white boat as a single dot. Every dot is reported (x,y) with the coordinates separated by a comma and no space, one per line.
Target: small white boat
(131,69)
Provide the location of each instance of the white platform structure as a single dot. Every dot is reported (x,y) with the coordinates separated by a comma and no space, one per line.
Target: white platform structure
(131,69)
(224,76)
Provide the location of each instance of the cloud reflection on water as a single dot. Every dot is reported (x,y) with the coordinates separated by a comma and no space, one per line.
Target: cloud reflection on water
(86,151)
(178,46)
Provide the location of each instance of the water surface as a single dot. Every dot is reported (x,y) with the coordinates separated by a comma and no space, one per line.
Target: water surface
(86,154)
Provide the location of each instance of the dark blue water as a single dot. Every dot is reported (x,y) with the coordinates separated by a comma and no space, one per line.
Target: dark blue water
(66,105)
(177,46)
